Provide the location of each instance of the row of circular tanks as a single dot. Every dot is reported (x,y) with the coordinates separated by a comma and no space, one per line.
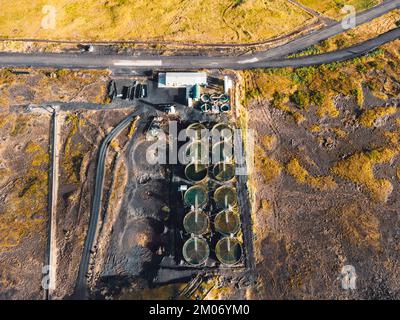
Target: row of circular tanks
(219,102)
(197,223)
(196,249)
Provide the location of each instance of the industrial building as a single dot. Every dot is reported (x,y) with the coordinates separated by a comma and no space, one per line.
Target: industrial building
(191,81)
(181,79)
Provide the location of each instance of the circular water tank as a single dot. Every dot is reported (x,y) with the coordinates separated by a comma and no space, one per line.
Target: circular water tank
(225,197)
(224,171)
(197,151)
(223,98)
(214,97)
(196,172)
(222,151)
(228,250)
(205,107)
(225,108)
(227,222)
(196,251)
(205,97)
(221,131)
(196,197)
(196,222)
(195,130)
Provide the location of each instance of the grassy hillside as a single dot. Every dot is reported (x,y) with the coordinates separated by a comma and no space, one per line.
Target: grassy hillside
(205,21)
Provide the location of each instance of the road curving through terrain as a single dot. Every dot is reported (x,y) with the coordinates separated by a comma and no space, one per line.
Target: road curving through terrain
(275,57)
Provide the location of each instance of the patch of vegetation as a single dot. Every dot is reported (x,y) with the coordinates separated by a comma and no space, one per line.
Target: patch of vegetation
(315,128)
(268,142)
(393,137)
(303,99)
(302,176)
(26,207)
(265,205)
(114,144)
(358,95)
(313,50)
(239,2)
(269,168)
(359,168)
(18,126)
(73,152)
(252,93)
(340,133)
(133,127)
(298,117)
(5,119)
(278,98)
(370,116)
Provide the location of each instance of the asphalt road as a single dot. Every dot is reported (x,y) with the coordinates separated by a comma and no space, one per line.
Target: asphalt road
(328,32)
(271,58)
(116,62)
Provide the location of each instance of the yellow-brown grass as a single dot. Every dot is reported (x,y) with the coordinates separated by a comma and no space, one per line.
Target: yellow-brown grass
(332,8)
(270,168)
(359,168)
(302,176)
(370,116)
(205,21)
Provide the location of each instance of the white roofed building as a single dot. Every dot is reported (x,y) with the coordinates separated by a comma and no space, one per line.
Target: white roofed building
(181,79)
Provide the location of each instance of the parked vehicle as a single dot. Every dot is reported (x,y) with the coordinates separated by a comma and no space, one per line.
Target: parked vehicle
(144,91)
(138,91)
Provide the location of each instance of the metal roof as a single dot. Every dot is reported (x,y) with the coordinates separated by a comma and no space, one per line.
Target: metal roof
(181,79)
